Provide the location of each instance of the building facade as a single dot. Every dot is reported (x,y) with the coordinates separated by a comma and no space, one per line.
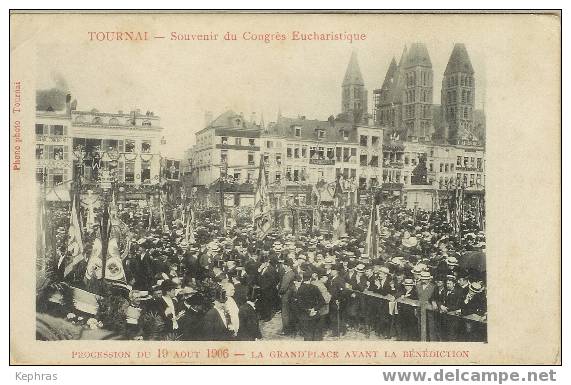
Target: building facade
(226,156)
(303,156)
(120,147)
(298,153)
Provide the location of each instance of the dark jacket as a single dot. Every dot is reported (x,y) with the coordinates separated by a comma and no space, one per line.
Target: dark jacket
(474,305)
(249,324)
(308,297)
(214,328)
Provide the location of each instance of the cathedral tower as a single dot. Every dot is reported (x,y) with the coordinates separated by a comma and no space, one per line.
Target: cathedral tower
(354,93)
(458,95)
(417,78)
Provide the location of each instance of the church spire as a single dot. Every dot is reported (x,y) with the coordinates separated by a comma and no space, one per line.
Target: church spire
(353,73)
(459,61)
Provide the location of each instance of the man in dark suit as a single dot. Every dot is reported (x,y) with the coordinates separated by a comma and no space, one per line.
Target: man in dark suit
(285,294)
(251,267)
(249,323)
(266,281)
(450,304)
(407,315)
(336,288)
(240,287)
(474,304)
(309,301)
(217,320)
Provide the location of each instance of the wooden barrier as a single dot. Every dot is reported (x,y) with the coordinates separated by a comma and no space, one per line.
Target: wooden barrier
(432,325)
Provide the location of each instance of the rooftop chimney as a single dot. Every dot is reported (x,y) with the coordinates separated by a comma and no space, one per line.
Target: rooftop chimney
(68,104)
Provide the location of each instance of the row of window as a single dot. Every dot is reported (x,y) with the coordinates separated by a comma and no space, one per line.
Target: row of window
(119,145)
(238,141)
(469,162)
(425,79)
(122,171)
(356,92)
(464,112)
(410,96)
(465,97)
(461,79)
(224,157)
(53,129)
(364,140)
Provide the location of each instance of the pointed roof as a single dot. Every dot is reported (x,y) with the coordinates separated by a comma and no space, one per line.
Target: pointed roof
(417,55)
(353,74)
(390,76)
(398,87)
(403,56)
(459,61)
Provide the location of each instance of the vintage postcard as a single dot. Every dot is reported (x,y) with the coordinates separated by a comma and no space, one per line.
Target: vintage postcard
(285,188)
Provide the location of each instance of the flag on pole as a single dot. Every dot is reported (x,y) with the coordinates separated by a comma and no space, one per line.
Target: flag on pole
(41,244)
(262,208)
(90,220)
(338,193)
(371,243)
(189,227)
(161,211)
(316,218)
(315,191)
(74,239)
(114,270)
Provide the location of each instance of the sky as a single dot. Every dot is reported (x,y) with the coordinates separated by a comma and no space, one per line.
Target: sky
(180,81)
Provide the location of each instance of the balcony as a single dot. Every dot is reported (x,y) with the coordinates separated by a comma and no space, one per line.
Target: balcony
(322,162)
(393,164)
(469,168)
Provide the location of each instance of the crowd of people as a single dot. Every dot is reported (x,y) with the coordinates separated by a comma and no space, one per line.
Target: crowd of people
(223,283)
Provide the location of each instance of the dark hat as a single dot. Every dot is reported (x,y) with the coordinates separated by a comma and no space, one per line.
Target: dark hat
(168,285)
(307,275)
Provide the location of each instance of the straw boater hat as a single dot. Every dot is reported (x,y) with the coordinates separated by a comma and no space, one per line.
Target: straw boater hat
(384,233)
(425,276)
(408,282)
(476,287)
(360,268)
(385,270)
(409,241)
(419,268)
(452,261)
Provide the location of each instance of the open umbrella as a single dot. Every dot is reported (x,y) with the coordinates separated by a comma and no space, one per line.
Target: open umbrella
(475,260)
